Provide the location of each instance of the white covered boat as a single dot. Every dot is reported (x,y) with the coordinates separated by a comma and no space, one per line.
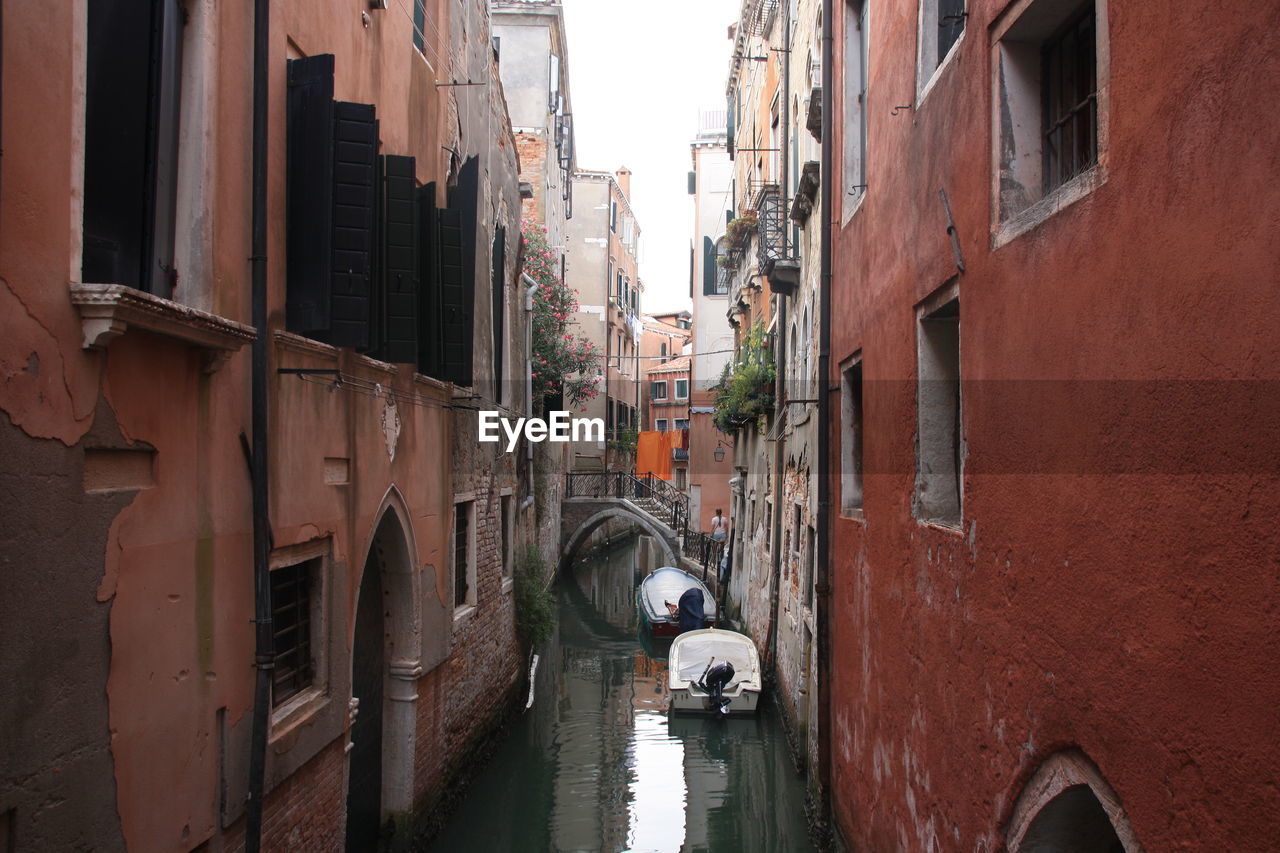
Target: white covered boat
(662,590)
(714,671)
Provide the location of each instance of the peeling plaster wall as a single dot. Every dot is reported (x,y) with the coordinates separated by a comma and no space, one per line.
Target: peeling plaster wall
(1112,588)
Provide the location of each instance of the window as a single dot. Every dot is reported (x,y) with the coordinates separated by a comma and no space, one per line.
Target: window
(293,589)
(464,568)
(682,478)
(854,148)
(132,96)
(662,348)
(1049,93)
(940,451)
(553,85)
(682,389)
(661,425)
(420,25)
(851,438)
(508,535)
(682,423)
(795,531)
(613,216)
(941,26)
(807,562)
(658,390)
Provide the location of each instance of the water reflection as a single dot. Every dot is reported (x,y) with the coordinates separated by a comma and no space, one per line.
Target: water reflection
(597,763)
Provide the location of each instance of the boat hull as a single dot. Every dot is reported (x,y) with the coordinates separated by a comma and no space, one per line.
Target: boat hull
(695,701)
(668,584)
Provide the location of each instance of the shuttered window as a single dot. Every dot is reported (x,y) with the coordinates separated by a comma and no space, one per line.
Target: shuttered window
(498,306)
(400,237)
(132,97)
(355,147)
(291,597)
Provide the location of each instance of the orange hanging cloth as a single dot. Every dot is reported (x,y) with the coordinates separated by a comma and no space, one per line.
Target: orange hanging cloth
(653,454)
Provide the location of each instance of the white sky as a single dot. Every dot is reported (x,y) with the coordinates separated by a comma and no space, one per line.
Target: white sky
(639,71)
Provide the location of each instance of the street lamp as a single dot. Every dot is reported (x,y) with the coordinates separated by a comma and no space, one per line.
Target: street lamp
(718,453)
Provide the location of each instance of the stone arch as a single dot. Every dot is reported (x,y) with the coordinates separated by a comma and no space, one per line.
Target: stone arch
(388,725)
(585,529)
(1068,807)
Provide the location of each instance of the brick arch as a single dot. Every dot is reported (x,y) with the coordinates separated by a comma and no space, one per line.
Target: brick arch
(583,530)
(1063,793)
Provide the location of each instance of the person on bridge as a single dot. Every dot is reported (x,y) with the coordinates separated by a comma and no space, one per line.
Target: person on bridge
(719,527)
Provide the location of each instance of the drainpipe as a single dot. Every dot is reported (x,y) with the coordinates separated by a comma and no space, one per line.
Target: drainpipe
(822,546)
(780,396)
(532,288)
(264,653)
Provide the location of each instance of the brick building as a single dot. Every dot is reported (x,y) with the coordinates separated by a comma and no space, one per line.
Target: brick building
(385,263)
(1052,595)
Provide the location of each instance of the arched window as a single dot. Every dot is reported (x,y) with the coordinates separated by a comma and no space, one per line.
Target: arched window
(1067,807)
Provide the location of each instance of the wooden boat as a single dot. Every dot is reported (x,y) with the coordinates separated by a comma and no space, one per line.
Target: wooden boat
(667,585)
(714,671)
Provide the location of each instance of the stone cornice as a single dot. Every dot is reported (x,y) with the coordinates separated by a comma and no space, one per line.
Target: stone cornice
(107,311)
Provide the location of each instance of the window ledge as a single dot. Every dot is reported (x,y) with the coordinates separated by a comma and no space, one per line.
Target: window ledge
(1037,212)
(299,711)
(507,584)
(461,613)
(107,311)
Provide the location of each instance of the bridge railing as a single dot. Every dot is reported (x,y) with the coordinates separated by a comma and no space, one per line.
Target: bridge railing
(672,504)
(703,550)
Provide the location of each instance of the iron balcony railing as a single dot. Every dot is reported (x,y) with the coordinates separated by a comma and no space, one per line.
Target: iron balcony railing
(772,245)
(703,550)
(653,494)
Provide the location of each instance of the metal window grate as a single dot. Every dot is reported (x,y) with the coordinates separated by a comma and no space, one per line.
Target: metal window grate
(461,552)
(1070,89)
(291,630)
(773,229)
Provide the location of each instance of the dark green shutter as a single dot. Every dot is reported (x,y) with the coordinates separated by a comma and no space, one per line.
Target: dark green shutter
(309,193)
(458,283)
(709,268)
(429,356)
(399,269)
(499,308)
(355,136)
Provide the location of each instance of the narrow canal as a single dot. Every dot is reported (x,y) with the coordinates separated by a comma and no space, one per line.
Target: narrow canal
(598,764)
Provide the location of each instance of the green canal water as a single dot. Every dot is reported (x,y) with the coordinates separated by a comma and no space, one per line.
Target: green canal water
(597,764)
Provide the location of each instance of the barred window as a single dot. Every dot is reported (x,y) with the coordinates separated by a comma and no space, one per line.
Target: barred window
(1069,81)
(291,595)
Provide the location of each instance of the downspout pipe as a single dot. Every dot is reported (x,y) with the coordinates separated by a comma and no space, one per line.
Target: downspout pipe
(780,394)
(823,543)
(531,287)
(264,651)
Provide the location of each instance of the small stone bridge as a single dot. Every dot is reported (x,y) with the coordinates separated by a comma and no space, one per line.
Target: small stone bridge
(592,498)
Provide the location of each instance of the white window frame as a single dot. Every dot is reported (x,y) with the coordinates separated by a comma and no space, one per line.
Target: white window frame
(653,389)
(678,421)
(852,465)
(685,395)
(853,177)
(469,603)
(927,46)
(660,424)
(1016,40)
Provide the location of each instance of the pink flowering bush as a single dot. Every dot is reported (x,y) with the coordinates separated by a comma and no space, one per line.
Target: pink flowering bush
(561,359)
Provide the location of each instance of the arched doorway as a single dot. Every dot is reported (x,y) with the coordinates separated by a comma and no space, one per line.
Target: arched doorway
(1068,807)
(385,666)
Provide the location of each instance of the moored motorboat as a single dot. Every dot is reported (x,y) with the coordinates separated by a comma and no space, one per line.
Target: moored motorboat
(669,589)
(714,671)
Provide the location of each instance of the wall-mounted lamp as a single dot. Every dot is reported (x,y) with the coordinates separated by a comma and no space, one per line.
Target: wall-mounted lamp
(718,453)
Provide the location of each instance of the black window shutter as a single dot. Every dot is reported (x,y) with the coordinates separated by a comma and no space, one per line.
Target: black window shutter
(309,193)
(454,323)
(355,148)
(499,308)
(429,353)
(162,162)
(399,270)
(709,268)
(458,293)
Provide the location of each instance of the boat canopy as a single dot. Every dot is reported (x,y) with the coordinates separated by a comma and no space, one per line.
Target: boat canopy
(696,652)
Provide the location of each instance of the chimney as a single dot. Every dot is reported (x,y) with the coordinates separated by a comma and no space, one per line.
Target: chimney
(624,181)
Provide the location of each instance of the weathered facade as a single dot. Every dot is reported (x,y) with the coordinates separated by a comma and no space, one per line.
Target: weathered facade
(603,240)
(392,236)
(1053,554)
(769,262)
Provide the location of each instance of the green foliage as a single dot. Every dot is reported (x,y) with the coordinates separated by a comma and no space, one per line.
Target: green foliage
(624,439)
(746,389)
(739,230)
(535,605)
(561,360)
